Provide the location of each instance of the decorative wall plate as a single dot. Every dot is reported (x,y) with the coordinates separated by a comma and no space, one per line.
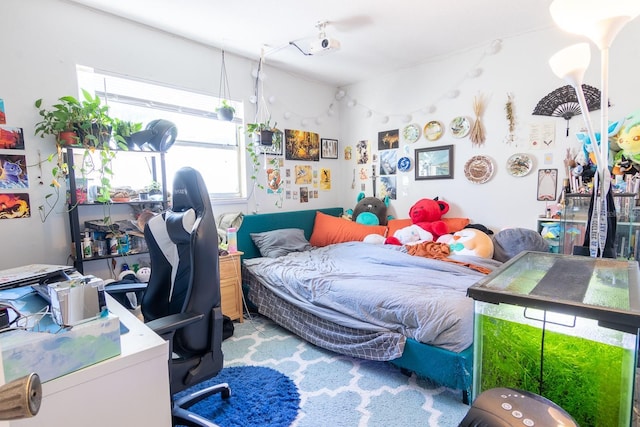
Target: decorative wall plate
(411,132)
(404,164)
(479,169)
(433,130)
(519,164)
(460,127)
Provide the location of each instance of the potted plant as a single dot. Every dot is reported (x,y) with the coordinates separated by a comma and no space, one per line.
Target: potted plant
(122,131)
(262,133)
(88,119)
(94,125)
(59,120)
(225,111)
(89,122)
(154,190)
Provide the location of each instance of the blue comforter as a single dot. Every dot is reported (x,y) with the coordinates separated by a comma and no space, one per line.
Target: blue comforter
(377,288)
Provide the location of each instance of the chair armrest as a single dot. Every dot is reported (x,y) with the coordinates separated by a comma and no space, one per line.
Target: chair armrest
(122,288)
(173,322)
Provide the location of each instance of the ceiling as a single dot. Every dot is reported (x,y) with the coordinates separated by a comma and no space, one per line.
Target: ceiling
(376,36)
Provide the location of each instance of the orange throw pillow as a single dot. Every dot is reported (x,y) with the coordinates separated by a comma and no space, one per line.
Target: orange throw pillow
(456,224)
(328,229)
(453,224)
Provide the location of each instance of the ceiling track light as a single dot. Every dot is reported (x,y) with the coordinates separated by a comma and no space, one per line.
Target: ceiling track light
(324,43)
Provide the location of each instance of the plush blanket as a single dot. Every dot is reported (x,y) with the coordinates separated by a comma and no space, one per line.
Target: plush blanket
(378,288)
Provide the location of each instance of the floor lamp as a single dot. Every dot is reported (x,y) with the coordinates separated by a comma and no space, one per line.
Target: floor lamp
(600,21)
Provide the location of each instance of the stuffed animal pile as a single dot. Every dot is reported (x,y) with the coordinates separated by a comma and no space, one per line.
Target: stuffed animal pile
(427,226)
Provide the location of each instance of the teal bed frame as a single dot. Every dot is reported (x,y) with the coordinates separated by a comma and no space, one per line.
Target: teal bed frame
(447,368)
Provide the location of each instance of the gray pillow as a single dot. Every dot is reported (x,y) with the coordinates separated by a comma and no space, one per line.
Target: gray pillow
(278,243)
(510,242)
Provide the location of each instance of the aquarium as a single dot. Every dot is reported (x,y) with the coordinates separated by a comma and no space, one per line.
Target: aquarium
(564,327)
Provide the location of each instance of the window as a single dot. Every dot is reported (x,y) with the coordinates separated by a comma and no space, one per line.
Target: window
(205,143)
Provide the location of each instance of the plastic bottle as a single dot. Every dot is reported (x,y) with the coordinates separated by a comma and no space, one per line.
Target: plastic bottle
(113,246)
(87,249)
(232,240)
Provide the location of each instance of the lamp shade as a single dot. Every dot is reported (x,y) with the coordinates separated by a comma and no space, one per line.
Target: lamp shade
(571,62)
(599,20)
(159,135)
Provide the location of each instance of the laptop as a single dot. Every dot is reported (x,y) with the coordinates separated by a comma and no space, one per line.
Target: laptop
(31,274)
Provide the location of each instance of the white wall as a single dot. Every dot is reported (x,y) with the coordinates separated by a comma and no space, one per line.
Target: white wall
(521,67)
(45,39)
(43,42)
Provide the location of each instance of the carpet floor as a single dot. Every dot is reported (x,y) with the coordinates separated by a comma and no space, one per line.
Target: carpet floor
(338,390)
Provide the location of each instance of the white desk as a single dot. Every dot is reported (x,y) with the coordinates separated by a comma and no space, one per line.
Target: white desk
(131,389)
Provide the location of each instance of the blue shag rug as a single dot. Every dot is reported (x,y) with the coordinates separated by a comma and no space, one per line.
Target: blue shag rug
(260,397)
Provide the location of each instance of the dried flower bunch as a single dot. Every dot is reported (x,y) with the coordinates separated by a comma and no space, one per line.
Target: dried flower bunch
(511,119)
(477,131)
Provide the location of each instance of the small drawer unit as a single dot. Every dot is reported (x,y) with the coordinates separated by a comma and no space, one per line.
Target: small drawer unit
(231,285)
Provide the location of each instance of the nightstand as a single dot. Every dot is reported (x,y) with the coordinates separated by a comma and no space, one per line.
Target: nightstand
(231,286)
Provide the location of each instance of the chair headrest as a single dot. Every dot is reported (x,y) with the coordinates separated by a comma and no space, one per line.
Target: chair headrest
(190,191)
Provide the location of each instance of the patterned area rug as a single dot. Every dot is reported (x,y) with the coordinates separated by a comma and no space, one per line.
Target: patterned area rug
(342,391)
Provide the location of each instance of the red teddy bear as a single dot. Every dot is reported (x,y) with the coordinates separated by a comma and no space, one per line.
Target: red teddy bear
(426,213)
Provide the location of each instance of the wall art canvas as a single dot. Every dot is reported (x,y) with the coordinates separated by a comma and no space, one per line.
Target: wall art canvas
(13,171)
(11,138)
(325,179)
(388,162)
(434,162)
(329,148)
(542,136)
(388,186)
(274,181)
(302,145)
(14,205)
(303,174)
(304,195)
(547,184)
(3,115)
(362,152)
(388,139)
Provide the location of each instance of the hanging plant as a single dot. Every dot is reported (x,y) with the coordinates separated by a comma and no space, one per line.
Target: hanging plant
(225,111)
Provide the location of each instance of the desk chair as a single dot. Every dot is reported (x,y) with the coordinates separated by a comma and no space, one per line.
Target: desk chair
(182,299)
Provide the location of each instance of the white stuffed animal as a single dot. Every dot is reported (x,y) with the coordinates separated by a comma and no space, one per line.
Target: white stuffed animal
(410,235)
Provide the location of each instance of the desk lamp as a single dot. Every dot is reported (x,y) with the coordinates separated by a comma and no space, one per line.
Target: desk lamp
(600,21)
(159,135)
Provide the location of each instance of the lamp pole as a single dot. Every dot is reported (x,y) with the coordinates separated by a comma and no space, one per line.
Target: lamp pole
(600,21)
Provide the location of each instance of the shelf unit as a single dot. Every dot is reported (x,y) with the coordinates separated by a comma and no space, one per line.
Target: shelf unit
(570,229)
(158,170)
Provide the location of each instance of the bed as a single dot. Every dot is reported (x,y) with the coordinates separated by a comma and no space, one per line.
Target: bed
(429,333)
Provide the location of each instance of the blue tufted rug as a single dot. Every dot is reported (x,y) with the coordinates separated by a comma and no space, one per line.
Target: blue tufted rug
(260,397)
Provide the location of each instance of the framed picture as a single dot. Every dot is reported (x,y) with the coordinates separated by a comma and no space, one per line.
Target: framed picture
(328,148)
(547,184)
(301,145)
(434,162)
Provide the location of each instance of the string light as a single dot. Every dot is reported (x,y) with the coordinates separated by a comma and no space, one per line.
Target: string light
(494,47)
(454,93)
